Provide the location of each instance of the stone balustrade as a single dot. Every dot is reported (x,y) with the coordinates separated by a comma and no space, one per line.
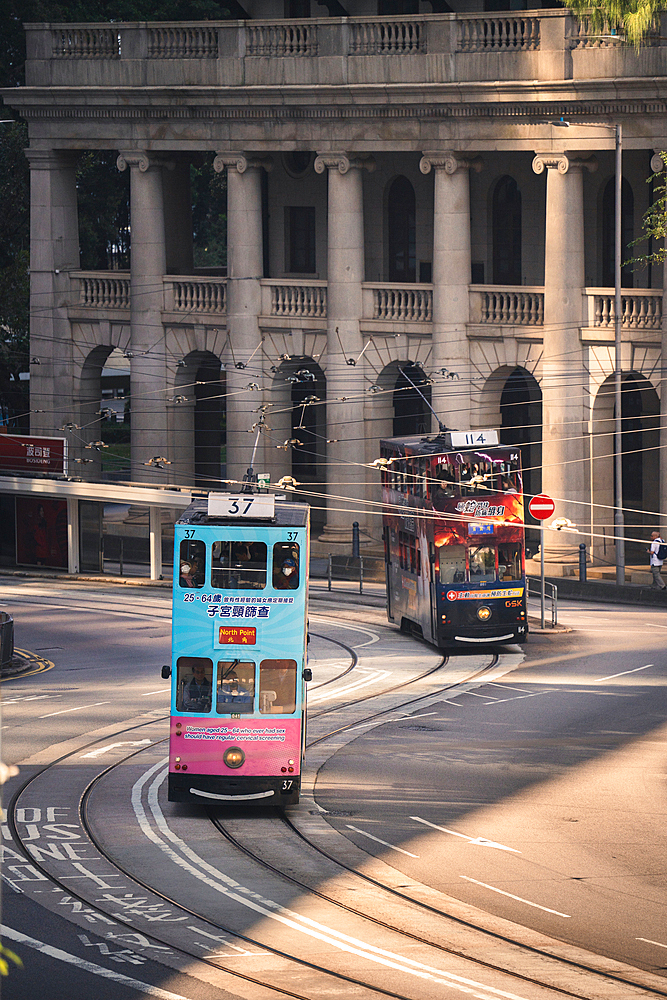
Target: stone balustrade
(496,305)
(396,304)
(196,295)
(526,45)
(641,309)
(101,289)
(297,299)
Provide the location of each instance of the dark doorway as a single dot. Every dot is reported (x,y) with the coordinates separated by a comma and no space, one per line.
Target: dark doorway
(507,232)
(608,234)
(411,391)
(521,424)
(402,231)
(640,410)
(209,423)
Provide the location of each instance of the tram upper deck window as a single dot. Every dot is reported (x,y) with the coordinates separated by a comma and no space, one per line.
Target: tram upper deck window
(235,692)
(192,563)
(452,564)
(238,565)
(285,566)
(509,562)
(193,684)
(482,564)
(277,687)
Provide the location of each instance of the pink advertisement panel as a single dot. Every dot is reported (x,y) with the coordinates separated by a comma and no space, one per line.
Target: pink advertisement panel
(269,745)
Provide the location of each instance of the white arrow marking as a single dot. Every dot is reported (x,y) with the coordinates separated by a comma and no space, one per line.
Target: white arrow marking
(478,841)
(112,746)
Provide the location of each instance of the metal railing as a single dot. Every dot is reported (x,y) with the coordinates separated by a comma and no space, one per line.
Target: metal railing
(550,593)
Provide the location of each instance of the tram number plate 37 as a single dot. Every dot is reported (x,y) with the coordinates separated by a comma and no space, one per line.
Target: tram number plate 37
(286,786)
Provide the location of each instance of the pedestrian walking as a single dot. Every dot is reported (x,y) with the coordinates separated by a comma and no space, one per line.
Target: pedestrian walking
(657,551)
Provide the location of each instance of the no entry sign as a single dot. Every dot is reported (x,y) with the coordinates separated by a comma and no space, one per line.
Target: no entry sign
(541,507)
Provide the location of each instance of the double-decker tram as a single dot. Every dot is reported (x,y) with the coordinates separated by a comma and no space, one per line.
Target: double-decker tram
(454,537)
(238,670)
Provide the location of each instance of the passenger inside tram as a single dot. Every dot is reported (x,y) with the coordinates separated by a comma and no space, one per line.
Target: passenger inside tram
(194,675)
(238,565)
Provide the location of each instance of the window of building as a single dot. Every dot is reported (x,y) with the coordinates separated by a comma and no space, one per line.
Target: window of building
(296,8)
(506,232)
(238,565)
(300,239)
(402,231)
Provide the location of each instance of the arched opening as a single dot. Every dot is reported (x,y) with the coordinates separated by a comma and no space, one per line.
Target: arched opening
(521,424)
(506,232)
(115,413)
(308,422)
(209,422)
(640,422)
(401,229)
(608,232)
(411,393)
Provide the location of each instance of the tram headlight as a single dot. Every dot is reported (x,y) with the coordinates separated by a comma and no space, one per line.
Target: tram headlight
(484,613)
(233,756)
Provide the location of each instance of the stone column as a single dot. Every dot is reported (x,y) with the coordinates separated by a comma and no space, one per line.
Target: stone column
(54,252)
(245,382)
(345,383)
(451,281)
(149,388)
(564,438)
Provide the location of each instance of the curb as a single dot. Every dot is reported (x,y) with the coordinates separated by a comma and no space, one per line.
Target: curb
(24,662)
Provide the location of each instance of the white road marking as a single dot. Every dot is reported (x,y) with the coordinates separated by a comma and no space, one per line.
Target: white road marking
(486,697)
(77,709)
(81,963)
(478,841)
(512,896)
(520,697)
(652,625)
(353,628)
(622,674)
(378,841)
(658,944)
(384,722)
(267,908)
(159,691)
(112,746)
(373,675)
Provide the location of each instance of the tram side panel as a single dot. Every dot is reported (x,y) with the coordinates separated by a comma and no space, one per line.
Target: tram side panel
(239,650)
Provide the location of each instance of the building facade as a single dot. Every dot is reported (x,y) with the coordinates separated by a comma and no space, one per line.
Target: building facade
(404,222)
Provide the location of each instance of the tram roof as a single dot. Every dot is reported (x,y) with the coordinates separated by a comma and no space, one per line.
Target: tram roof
(288,514)
(437,444)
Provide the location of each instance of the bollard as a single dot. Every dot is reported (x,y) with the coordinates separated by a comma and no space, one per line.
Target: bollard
(582,562)
(329,571)
(120,557)
(355,539)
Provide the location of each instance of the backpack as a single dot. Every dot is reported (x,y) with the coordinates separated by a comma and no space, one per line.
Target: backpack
(662,551)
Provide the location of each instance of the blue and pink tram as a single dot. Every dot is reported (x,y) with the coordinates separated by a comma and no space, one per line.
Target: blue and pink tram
(239,641)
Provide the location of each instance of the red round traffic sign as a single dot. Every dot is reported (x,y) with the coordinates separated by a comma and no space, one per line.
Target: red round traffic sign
(541,507)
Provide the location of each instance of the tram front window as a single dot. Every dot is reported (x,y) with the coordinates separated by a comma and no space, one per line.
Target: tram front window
(509,562)
(452,564)
(277,687)
(236,687)
(482,564)
(192,564)
(285,566)
(238,565)
(193,684)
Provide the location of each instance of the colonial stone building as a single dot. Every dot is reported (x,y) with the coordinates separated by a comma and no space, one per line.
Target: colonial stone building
(401,212)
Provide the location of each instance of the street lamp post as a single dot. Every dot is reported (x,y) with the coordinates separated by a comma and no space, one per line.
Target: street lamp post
(619,520)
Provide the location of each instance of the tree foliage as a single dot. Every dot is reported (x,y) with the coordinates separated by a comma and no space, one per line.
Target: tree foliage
(654,222)
(14,268)
(632,20)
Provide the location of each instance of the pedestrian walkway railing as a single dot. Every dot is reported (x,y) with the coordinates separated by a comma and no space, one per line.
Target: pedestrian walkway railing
(534,589)
(361,570)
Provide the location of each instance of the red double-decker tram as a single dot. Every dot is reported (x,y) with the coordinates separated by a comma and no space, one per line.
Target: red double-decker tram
(454,538)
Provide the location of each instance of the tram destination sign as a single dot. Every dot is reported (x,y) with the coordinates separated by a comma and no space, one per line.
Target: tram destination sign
(28,453)
(260,506)
(541,507)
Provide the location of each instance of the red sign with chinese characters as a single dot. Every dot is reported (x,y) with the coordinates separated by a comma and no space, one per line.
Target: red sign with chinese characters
(20,453)
(237,636)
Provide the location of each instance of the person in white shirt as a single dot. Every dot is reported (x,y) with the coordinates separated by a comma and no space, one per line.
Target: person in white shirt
(656,563)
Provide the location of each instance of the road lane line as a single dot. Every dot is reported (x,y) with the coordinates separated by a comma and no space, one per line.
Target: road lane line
(77,709)
(622,674)
(658,944)
(159,691)
(520,697)
(478,841)
(81,963)
(519,899)
(213,877)
(378,841)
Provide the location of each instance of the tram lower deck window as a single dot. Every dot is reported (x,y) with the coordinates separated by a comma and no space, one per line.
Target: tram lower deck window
(452,564)
(235,692)
(277,687)
(238,565)
(509,562)
(193,684)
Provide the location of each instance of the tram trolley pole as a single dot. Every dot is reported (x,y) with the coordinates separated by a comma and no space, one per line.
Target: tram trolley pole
(329,571)
(582,562)
(361,574)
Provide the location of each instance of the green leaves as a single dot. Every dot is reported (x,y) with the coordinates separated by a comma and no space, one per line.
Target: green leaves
(631,20)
